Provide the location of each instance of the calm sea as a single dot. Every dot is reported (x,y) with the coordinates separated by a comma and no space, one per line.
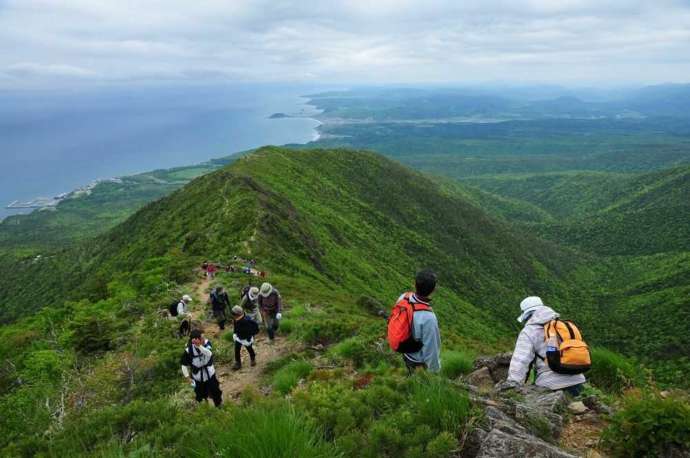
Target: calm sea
(55,141)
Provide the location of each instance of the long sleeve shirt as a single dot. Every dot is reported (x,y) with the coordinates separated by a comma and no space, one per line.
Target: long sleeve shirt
(272,304)
(530,349)
(425,330)
(200,361)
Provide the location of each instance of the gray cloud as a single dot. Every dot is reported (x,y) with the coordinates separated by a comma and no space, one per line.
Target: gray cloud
(344,41)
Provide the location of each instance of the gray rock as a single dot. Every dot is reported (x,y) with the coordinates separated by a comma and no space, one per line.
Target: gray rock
(577,407)
(481,378)
(498,365)
(500,444)
(540,410)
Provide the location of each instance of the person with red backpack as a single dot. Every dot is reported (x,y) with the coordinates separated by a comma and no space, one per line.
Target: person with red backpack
(554,347)
(413,327)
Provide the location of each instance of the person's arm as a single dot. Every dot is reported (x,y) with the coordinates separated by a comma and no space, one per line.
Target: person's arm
(431,344)
(206,355)
(180,309)
(523,355)
(185,362)
(279,302)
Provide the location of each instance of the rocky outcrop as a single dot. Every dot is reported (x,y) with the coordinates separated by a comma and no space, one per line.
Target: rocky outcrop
(525,421)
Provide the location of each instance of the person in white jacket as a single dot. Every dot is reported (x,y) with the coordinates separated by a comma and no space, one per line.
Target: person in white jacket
(530,351)
(197,364)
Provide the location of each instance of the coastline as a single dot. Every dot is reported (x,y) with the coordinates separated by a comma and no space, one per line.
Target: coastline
(27,205)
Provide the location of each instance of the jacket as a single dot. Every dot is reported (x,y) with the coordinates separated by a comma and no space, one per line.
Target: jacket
(425,330)
(219,301)
(245,330)
(199,360)
(271,304)
(531,343)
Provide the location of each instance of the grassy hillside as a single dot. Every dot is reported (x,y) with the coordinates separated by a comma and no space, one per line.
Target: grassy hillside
(606,213)
(95,370)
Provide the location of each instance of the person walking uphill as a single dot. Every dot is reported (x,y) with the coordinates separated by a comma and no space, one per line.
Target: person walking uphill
(198,359)
(270,304)
(557,367)
(219,304)
(250,303)
(413,327)
(245,330)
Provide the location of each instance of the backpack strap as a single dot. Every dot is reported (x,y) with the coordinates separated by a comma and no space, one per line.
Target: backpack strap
(570,329)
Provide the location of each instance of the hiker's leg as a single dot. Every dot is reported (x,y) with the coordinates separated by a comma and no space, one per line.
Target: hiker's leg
(214,391)
(200,391)
(574,390)
(252,354)
(238,347)
(270,327)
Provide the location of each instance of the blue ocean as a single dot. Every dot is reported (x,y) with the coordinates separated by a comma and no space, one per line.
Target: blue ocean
(55,141)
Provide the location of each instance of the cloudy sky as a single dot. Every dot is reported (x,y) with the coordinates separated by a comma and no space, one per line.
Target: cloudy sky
(52,42)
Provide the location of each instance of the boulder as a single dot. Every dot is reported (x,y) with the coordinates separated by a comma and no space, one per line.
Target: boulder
(541,410)
(499,444)
(481,378)
(498,365)
(577,408)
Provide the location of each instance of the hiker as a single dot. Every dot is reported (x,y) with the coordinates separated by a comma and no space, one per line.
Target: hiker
(211,271)
(270,305)
(245,330)
(178,311)
(250,303)
(420,342)
(198,358)
(219,304)
(531,350)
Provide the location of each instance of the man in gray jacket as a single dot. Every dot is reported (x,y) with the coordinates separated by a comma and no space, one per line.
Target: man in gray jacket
(424,326)
(530,350)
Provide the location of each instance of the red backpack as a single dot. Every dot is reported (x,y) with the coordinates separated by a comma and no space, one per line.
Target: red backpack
(400,335)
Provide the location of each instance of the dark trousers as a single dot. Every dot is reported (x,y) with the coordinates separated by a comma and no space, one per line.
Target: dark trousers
(220,317)
(238,347)
(412,366)
(185,327)
(271,323)
(211,388)
(574,390)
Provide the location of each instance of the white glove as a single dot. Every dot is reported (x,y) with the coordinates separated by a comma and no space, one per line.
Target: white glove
(279,316)
(193,384)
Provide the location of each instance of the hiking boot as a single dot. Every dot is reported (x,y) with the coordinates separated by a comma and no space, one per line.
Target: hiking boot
(236,367)
(253,363)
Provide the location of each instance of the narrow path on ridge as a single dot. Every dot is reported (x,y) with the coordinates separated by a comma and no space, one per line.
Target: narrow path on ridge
(234,382)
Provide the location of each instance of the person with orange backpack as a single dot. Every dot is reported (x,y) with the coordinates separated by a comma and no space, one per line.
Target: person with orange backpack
(413,327)
(554,348)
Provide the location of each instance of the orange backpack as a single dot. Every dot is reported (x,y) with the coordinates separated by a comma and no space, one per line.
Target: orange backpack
(400,325)
(566,352)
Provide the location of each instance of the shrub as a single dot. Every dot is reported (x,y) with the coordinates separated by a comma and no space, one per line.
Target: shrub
(649,426)
(455,363)
(353,349)
(612,372)
(289,375)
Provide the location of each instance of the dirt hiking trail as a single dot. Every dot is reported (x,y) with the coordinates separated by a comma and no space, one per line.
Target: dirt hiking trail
(232,383)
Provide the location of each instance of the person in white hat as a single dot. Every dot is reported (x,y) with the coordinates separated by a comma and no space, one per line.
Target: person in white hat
(270,304)
(530,351)
(245,330)
(250,303)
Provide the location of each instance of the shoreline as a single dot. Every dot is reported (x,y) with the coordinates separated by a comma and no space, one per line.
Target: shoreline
(27,207)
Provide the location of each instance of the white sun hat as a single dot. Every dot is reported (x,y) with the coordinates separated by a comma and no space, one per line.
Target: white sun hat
(529,305)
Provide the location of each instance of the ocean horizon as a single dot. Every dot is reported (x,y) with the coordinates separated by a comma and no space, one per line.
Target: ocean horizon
(52,142)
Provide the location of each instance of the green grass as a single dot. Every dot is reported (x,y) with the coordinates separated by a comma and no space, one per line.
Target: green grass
(613,372)
(456,363)
(268,432)
(288,376)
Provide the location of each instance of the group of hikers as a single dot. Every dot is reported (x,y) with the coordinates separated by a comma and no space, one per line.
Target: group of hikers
(248,266)
(553,347)
(256,306)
